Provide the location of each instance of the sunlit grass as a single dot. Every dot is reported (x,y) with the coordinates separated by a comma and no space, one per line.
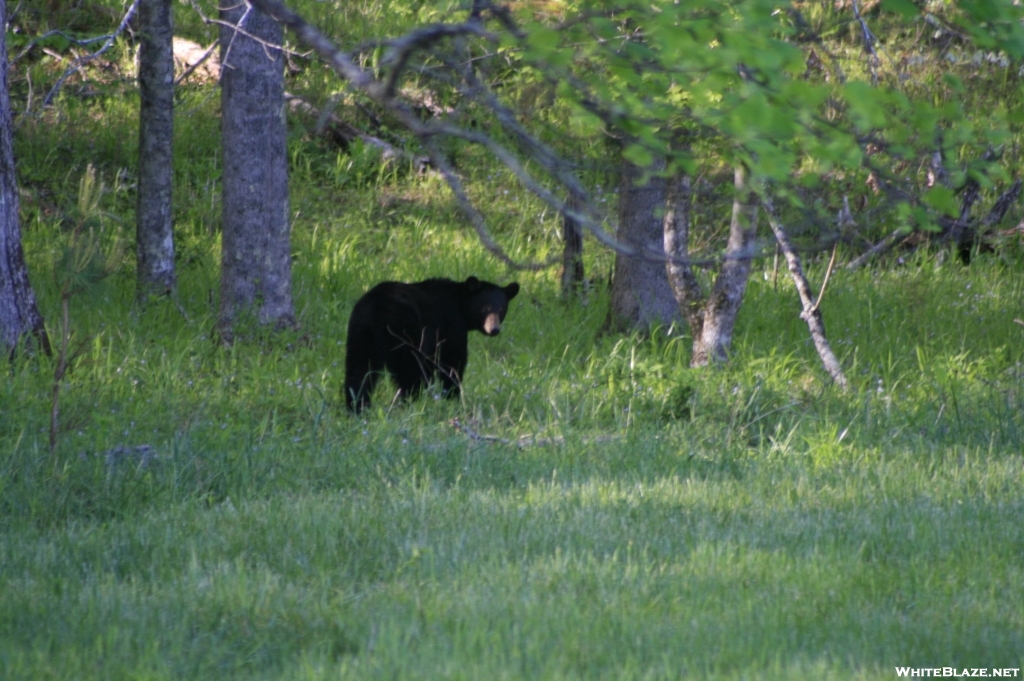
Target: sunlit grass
(600,511)
(590,508)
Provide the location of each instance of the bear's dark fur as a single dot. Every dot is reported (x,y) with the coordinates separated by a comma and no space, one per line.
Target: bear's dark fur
(418,332)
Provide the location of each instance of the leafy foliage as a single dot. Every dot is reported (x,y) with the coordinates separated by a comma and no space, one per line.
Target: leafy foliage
(749,80)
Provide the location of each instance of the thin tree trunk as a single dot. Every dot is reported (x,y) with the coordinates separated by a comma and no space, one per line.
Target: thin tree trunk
(640,294)
(724,302)
(681,279)
(154,229)
(19,314)
(811,310)
(255,248)
(572,252)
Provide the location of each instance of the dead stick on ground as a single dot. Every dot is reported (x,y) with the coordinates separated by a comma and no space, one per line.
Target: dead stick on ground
(883,245)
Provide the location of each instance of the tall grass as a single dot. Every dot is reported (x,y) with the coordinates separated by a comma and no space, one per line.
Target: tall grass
(625,516)
(590,508)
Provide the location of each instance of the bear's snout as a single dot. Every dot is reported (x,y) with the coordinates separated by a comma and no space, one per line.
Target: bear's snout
(492,324)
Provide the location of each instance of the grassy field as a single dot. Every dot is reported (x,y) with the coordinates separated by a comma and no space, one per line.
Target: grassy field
(591,508)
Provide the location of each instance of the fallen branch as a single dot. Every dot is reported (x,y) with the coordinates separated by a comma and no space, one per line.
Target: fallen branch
(82,42)
(82,61)
(882,246)
(191,68)
(811,310)
(1002,204)
(869,43)
(344,133)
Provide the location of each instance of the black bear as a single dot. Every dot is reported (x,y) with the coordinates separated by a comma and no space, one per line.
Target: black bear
(418,332)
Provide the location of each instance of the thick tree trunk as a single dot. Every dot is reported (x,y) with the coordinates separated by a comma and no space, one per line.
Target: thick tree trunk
(640,294)
(572,252)
(811,311)
(681,279)
(723,304)
(256,251)
(154,230)
(19,314)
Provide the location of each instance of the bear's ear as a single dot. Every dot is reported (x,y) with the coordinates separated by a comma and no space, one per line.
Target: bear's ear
(472,284)
(512,290)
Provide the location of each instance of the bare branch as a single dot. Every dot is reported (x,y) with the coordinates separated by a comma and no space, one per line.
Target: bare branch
(192,68)
(828,273)
(882,246)
(402,50)
(811,312)
(386,94)
(307,34)
(474,215)
(869,43)
(74,41)
(1002,204)
(82,61)
(344,133)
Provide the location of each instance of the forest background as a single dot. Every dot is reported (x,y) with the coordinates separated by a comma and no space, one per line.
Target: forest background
(592,507)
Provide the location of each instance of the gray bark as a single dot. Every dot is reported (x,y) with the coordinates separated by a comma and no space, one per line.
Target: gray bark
(255,248)
(681,279)
(572,251)
(640,294)
(723,304)
(154,234)
(811,310)
(19,314)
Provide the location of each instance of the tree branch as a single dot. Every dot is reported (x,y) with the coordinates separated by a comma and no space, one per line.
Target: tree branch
(384,92)
(811,312)
(82,61)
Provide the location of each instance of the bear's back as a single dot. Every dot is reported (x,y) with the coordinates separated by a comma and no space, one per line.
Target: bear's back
(413,306)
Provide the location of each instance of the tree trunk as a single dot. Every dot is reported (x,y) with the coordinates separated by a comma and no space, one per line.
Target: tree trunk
(19,314)
(154,231)
(572,252)
(811,312)
(724,302)
(255,248)
(684,283)
(640,294)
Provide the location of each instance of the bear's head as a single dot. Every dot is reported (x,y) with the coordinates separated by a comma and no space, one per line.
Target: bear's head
(487,304)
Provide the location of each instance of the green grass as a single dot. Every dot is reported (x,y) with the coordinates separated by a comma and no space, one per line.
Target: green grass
(598,510)
(746,523)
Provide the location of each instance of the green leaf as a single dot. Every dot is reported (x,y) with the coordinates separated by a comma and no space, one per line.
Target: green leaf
(638,155)
(904,7)
(924,221)
(544,39)
(866,105)
(942,199)
(953,83)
